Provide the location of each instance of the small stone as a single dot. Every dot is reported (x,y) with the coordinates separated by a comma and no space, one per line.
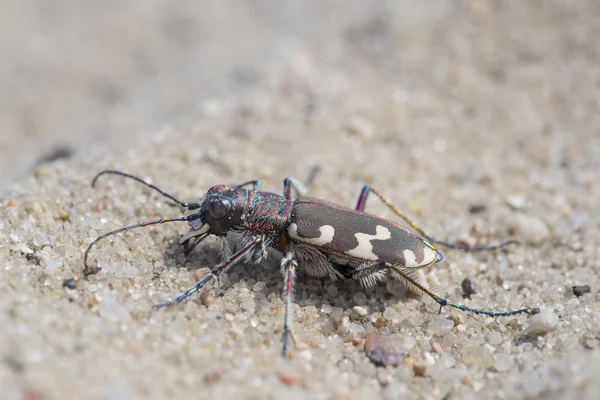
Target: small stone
(579,291)
(477,208)
(516,202)
(380,322)
(467,242)
(436,347)
(477,355)
(288,378)
(249,304)
(530,229)
(503,362)
(544,322)
(388,349)
(440,325)
(326,309)
(360,299)
(396,288)
(495,338)
(383,377)
(93,301)
(420,368)
(356,329)
(24,249)
(359,312)
(258,287)
(468,287)
(64,216)
(228,317)
(69,283)
(207,300)
(332,290)
(53,265)
(326,324)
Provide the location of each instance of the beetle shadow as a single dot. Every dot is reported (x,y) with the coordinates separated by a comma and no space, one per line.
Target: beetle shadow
(308,290)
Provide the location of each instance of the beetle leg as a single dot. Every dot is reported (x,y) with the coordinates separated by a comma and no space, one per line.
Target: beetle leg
(256,185)
(360,206)
(288,269)
(214,273)
(300,188)
(409,277)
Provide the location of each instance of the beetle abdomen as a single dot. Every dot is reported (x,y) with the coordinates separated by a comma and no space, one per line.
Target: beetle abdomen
(356,235)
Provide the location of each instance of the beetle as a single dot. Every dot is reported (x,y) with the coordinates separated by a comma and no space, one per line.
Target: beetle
(317,237)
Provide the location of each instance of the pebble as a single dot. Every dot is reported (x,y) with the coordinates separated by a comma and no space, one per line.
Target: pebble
(503,362)
(581,290)
(360,299)
(542,323)
(420,368)
(289,378)
(53,265)
(396,288)
(359,312)
(249,304)
(388,349)
(69,283)
(531,230)
(468,242)
(468,287)
(517,202)
(477,208)
(440,325)
(379,323)
(123,269)
(477,355)
(436,347)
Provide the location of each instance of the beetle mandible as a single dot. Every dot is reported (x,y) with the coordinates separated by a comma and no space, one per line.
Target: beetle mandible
(317,237)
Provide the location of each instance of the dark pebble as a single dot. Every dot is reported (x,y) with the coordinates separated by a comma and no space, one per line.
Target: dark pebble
(468,287)
(477,208)
(581,290)
(69,283)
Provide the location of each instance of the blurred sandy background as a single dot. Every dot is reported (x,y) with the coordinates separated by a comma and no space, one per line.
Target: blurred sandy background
(75,74)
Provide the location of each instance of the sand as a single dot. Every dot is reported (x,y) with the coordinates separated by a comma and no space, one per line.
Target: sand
(481,121)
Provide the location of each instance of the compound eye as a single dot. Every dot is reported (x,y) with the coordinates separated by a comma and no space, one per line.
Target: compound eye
(217,208)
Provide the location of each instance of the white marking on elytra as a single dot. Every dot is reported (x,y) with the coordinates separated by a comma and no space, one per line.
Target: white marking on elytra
(327,232)
(410,260)
(429,256)
(364,250)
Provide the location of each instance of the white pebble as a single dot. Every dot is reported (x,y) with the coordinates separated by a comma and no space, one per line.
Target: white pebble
(529,229)
(248,304)
(544,322)
(326,309)
(53,265)
(440,325)
(359,312)
(477,355)
(503,362)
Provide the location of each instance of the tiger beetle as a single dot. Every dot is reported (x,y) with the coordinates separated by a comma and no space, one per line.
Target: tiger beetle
(318,237)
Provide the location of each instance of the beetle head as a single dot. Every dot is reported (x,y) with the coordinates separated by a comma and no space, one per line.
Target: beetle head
(220,212)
